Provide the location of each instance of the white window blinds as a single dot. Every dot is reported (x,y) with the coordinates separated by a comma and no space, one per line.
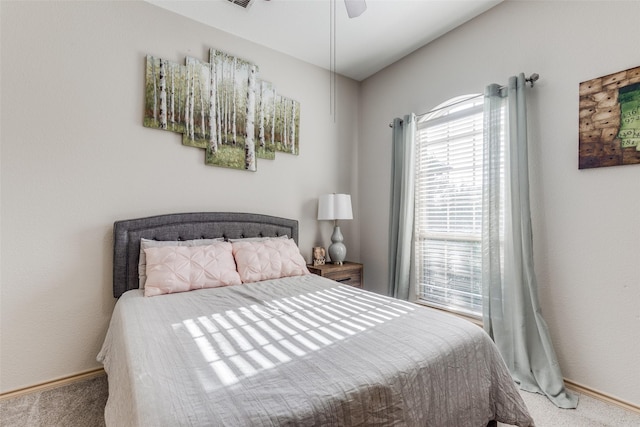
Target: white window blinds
(449,206)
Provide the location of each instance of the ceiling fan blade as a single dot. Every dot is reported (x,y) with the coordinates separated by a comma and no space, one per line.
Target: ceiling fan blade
(355,7)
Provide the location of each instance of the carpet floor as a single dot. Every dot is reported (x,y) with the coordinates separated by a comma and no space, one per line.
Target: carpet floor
(81,404)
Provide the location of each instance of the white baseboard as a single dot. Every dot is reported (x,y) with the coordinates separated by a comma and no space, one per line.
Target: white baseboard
(87,375)
(572,385)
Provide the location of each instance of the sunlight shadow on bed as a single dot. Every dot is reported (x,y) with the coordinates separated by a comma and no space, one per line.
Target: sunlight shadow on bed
(245,342)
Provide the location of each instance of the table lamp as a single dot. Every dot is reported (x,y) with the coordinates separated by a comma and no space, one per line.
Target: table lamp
(335,207)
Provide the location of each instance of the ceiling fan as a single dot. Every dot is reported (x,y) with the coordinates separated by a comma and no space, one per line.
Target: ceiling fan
(355,8)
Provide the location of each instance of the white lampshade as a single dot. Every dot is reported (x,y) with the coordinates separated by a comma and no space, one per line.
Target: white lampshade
(334,206)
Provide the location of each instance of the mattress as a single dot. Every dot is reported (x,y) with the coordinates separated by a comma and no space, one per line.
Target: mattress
(300,351)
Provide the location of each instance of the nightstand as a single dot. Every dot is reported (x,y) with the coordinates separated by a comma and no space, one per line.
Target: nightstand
(349,273)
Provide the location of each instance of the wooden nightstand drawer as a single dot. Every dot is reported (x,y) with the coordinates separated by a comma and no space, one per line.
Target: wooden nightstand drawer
(349,273)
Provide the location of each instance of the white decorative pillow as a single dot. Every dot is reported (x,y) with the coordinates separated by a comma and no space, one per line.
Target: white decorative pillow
(147,243)
(268,259)
(183,268)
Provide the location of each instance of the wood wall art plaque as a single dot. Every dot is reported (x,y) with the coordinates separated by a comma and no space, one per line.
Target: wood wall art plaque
(610,120)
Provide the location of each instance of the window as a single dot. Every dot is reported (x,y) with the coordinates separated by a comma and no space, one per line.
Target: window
(448,220)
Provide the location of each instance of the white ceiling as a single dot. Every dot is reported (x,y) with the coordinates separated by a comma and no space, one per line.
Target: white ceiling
(387,31)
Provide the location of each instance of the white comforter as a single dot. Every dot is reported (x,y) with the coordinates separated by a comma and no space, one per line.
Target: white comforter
(303,351)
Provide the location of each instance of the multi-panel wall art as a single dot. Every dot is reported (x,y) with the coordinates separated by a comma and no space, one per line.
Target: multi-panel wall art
(610,120)
(221,106)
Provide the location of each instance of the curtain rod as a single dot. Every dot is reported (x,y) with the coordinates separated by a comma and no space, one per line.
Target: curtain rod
(531,80)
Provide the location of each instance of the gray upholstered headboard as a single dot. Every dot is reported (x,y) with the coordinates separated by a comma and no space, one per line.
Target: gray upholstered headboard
(186,226)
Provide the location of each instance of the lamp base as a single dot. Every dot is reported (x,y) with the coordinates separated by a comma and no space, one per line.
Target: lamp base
(337,250)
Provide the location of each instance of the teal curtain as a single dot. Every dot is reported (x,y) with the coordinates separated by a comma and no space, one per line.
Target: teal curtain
(511,309)
(402,205)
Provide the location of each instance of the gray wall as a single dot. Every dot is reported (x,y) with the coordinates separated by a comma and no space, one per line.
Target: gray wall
(585,223)
(75,158)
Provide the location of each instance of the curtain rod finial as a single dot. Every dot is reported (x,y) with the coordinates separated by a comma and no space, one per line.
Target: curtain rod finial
(532,78)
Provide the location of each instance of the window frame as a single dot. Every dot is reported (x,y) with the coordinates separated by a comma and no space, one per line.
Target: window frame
(450,112)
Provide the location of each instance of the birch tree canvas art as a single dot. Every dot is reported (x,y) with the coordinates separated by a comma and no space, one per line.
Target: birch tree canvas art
(197,111)
(234,83)
(222,107)
(164,102)
(287,125)
(266,122)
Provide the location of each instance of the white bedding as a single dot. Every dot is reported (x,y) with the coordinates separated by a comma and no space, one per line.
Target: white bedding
(300,351)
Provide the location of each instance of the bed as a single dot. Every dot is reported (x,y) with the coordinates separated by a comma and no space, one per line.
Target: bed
(297,350)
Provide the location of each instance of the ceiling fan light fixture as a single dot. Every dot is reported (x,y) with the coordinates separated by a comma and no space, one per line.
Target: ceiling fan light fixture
(355,8)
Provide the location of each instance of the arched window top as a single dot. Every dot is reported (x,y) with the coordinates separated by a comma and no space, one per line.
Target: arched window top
(459,106)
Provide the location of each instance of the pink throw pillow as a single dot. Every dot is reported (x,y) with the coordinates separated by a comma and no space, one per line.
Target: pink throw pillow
(268,259)
(182,268)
